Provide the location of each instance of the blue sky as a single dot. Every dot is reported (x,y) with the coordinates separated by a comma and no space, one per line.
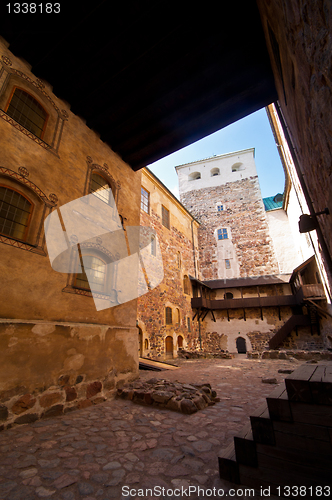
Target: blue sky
(253,131)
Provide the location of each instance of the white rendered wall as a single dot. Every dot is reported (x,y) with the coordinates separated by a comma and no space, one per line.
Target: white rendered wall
(242,160)
(287,250)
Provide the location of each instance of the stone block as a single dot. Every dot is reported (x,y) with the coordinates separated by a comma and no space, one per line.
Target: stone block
(93,389)
(84,404)
(71,393)
(3,412)
(23,404)
(63,380)
(27,418)
(54,411)
(188,407)
(49,399)
(161,396)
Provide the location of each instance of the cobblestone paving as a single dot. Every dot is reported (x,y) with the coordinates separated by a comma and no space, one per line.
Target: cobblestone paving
(92,454)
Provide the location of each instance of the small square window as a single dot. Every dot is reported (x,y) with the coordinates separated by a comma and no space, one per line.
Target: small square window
(165,217)
(145,200)
(227,263)
(220,208)
(222,234)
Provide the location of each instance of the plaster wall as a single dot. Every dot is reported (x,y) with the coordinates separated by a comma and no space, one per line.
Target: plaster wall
(243,164)
(288,252)
(49,328)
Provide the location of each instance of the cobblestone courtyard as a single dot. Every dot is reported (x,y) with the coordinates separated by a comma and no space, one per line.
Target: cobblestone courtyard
(118,448)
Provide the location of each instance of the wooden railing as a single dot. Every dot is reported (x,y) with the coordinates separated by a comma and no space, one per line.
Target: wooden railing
(272,300)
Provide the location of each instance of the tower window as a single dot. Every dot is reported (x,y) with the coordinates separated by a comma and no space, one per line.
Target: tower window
(222,234)
(15,212)
(194,176)
(227,263)
(24,109)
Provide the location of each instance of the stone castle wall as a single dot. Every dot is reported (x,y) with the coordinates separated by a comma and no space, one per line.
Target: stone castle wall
(252,253)
(176,245)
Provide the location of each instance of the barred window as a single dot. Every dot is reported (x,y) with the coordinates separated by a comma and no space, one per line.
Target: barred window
(99,187)
(24,109)
(15,212)
(168,316)
(145,200)
(165,217)
(93,276)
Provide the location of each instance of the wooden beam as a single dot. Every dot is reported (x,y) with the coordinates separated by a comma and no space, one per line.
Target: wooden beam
(320,309)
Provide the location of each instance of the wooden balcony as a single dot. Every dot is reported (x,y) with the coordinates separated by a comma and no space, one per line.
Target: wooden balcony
(312,292)
(271,301)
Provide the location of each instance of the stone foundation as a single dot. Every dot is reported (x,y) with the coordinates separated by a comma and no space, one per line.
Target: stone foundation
(203,354)
(297,354)
(184,398)
(16,409)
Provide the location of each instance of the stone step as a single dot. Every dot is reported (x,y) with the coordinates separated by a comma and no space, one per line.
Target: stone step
(311,383)
(228,466)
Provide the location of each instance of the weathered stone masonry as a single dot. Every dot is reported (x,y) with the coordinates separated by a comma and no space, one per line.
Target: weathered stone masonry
(245,215)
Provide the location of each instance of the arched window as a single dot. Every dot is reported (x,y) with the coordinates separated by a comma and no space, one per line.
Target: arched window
(15,213)
(237,166)
(194,176)
(146,344)
(228,295)
(93,276)
(177,315)
(168,312)
(214,172)
(180,341)
(186,285)
(26,111)
(99,186)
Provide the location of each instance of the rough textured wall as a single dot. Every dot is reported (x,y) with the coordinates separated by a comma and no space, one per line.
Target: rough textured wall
(170,293)
(245,217)
(300,32)
(33,297)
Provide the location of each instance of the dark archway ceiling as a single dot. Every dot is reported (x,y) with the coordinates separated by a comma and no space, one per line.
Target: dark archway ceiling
(149,76)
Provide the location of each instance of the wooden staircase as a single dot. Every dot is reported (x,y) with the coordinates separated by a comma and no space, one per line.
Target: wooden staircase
(293,322)
(288,442)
